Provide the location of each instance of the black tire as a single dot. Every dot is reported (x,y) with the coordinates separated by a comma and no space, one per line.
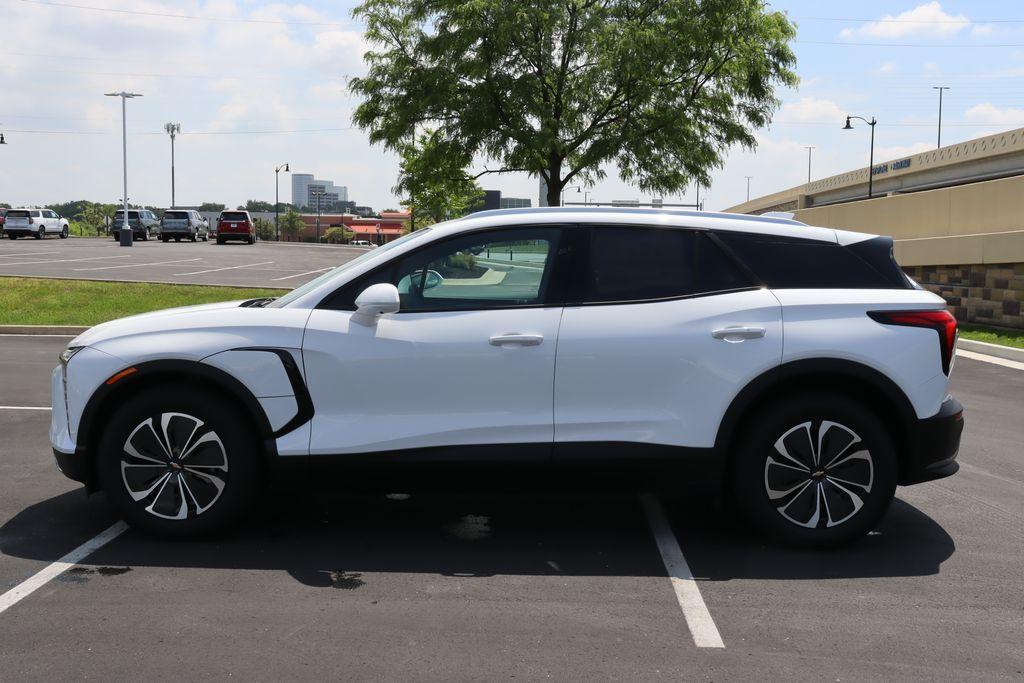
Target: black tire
(64,233)
(177,238)
(220,240)
(11,236)
(818,470)
(40,233)
(164,239)
(193,237)
(145,235)
(232,455)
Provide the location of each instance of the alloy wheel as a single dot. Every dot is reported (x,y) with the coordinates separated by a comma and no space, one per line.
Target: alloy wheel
(819,474)
(174,466)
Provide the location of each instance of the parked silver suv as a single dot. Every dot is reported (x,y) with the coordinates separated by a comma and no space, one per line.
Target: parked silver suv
(35,222)
(183,224)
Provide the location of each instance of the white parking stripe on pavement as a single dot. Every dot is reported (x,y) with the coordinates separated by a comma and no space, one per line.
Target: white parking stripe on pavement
(49,573)
(695,611)
(30,253)
(25,408)
(62,260)
(214,270)
(289,277)
(139,265)
(1005,362)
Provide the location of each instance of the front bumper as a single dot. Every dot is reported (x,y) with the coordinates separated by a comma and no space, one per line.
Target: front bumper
(933,444)
(74,466)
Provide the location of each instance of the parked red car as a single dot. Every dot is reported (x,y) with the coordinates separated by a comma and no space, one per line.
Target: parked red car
(235,225)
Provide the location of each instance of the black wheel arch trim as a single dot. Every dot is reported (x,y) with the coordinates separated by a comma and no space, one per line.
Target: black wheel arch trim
(93,416)
(813,369)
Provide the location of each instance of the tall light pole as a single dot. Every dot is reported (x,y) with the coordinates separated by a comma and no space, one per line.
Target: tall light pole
(172,129)
(277,199)
(2,141)
(571,187)
(126,230)
(871,158)
(318,195)
(809,148)
(940,88)
(748,177)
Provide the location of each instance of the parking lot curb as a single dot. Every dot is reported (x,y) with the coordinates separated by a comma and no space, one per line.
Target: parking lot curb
(997,350)
(69,330)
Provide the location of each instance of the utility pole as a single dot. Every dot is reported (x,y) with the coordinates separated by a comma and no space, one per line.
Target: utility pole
(172,129)
(809,148)
(277,199)
(126,230)
(940,88)
(317,195)
(748,177)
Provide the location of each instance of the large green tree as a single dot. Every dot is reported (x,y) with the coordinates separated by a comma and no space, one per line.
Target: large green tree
(562,88)
(432,180)
(292,225)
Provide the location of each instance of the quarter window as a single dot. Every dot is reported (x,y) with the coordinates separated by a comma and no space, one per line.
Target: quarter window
(648,264)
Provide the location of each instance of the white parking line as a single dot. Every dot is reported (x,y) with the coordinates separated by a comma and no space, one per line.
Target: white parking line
(25,408)
(137,265)
(61,260)
(31,253)
(49,573)
(1005,362)
(289,277)
(698,618)
(214,270)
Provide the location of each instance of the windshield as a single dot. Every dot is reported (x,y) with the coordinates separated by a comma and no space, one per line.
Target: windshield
(176,214)
(373,253)
(131,214)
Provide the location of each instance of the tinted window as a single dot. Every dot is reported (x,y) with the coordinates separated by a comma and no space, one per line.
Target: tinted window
(644,264)
(176,215)
(787,263)
(233,216)
(16,213)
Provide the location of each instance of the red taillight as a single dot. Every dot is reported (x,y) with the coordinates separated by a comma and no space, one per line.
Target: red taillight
(30,220)
(942,322)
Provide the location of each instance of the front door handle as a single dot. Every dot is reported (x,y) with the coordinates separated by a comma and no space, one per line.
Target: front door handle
(514,339)
(737,333)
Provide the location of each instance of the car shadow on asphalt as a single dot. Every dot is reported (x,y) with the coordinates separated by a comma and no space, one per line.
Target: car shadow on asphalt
(476,533)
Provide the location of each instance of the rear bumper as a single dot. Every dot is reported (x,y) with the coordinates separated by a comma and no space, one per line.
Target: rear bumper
(933,445)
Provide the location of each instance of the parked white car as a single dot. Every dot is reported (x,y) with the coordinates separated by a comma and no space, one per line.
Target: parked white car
(36,223)
(798,364)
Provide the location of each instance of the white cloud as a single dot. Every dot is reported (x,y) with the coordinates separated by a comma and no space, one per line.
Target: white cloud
(927,20)
(887,68)
(811,109)
(989,113)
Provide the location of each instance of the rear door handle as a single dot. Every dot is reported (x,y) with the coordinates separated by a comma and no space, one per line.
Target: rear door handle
(737,333)
(516,339)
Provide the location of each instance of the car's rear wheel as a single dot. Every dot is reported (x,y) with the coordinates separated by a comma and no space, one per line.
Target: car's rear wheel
(818,470)
(11,236)
(178,463)
(164,239)
(40,233)
(64,232)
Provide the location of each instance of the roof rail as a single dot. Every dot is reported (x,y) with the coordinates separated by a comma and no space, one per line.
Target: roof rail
(635,211)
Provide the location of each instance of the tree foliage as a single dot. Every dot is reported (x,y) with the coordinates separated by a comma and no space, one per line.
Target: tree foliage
(212,207)
(292,224)
(338,235)
(432,180)
(264,228)
(559,88)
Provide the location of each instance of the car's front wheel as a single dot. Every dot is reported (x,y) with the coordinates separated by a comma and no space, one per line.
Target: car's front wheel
(179,463)
(818,470)
(64,232)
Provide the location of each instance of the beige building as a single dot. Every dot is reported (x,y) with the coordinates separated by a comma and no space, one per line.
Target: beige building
(956,214)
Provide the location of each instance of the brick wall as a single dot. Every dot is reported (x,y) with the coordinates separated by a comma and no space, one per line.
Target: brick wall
(990,294)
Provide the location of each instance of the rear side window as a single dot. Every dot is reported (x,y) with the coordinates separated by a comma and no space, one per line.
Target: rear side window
(233,216)
(628,264)
(793,263)
(15,213)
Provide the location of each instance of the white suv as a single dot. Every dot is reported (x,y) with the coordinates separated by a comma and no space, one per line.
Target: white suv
(799,364)
(36,223)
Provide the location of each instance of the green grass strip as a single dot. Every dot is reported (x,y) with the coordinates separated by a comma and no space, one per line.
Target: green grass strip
(40,301)
(993,335)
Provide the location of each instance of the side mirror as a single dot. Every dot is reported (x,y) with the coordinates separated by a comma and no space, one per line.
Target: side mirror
(375,301)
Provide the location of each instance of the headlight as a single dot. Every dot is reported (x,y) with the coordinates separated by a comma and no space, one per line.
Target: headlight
(68,353)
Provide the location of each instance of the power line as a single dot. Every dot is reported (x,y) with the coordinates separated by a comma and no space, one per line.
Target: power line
(924,45)
(894,20)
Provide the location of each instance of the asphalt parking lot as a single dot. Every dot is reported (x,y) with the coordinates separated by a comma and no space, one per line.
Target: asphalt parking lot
(549,582)
(264,264)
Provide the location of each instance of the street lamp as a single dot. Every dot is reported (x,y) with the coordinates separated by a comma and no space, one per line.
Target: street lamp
(318,195)
(809,148)
(2,141)
(871,158)
(126,230)
(940,88)
(571,187)
(277,199)
(748,177)
(172,129)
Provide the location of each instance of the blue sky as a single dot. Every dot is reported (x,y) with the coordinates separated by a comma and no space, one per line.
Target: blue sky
(241,66)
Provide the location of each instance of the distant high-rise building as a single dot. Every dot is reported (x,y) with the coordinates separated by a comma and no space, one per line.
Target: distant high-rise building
(514,203)
(304,185)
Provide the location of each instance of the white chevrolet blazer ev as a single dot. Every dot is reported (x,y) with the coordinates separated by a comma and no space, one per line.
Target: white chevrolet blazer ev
(798,363)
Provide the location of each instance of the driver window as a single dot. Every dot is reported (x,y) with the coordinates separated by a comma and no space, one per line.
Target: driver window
(488,270)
